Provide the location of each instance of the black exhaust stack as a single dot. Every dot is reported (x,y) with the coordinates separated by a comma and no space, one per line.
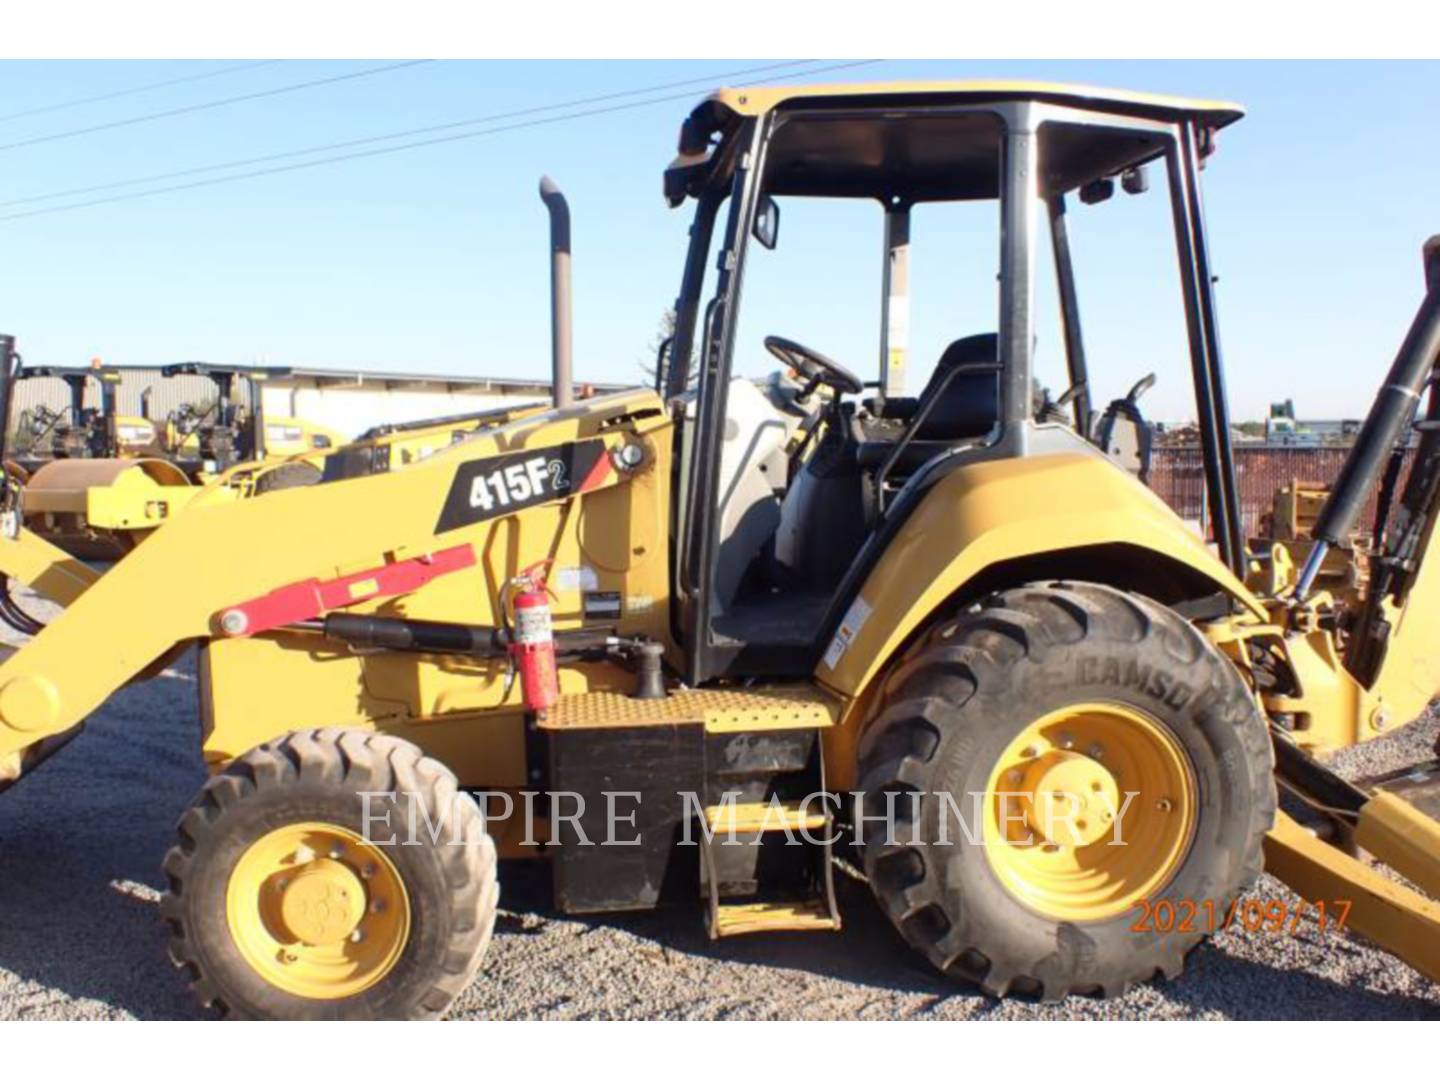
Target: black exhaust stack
(1383,428)
(562,380)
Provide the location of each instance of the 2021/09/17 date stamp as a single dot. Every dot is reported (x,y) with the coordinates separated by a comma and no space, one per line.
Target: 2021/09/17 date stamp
(1251,914)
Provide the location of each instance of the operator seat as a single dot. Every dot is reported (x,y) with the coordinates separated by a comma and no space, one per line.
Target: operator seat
(964,408)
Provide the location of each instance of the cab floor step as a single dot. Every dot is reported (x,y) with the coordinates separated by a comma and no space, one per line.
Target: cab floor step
(720,710)
(730,920)
(751,818)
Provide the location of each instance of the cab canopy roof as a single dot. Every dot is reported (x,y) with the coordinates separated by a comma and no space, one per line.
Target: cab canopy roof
(912,141)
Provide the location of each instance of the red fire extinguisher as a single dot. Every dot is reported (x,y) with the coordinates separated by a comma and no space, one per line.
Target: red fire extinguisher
(532,645)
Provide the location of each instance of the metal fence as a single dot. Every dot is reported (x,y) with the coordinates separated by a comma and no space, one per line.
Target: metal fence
(1178,476)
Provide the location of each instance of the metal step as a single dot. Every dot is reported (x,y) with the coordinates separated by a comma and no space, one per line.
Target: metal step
(731,920)
(746,899)
(751,818)
(719,710)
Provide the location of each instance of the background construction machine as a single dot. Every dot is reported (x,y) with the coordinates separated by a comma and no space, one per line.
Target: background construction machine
(98,482)
(137,478)
(1294,510)
(43,434)
(209,437)
(703,613)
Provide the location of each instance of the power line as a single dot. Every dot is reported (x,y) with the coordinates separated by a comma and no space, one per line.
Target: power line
(404,146)
(76,102)
(292,88)
(707,80)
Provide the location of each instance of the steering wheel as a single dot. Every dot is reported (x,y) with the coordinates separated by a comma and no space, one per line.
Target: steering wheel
(188,419)
(815,368)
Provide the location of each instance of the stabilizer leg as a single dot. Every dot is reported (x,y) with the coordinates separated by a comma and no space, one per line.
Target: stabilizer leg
(1393,916)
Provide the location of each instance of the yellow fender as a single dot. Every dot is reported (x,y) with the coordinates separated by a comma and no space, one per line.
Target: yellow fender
(980,518)
(991,513)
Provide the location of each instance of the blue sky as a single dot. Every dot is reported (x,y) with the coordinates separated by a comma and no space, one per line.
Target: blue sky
(434,260)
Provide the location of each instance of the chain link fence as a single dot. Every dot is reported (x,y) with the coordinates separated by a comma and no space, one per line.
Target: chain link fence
(1177,475)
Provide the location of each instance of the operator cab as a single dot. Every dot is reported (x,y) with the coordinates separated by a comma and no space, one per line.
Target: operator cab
(786,481)
(228,428)
(77,430)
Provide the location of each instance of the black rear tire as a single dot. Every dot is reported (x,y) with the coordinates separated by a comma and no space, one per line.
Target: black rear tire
(975,683)
(447,866)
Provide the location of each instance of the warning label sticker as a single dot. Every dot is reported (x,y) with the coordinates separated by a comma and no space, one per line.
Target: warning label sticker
(849,627)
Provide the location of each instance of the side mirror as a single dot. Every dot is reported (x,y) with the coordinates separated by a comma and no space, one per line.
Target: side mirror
(767,222)
(1097,191)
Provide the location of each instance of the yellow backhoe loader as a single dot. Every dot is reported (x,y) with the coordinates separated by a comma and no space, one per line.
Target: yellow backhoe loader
(701,641)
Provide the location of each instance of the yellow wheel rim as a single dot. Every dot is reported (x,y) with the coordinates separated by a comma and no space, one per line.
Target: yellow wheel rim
(1090,809)
(316,911)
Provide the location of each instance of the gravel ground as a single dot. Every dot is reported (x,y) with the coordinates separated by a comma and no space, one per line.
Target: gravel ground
(81,843)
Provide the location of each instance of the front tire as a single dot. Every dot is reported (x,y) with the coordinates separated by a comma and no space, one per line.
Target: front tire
(291,897)
(1066,696)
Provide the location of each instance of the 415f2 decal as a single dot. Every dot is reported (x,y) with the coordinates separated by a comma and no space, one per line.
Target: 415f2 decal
(496,486)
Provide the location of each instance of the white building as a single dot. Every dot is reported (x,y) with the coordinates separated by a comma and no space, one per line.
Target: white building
(350,402)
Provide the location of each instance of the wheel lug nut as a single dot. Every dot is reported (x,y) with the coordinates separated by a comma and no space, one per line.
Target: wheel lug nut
(358,936)
(1067,742)
(1164,805)
(368,870)
(1097,751)
(377,907)
(337,852)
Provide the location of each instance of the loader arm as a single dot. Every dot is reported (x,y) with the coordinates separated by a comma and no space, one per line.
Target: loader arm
(172,588)
(55,575)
